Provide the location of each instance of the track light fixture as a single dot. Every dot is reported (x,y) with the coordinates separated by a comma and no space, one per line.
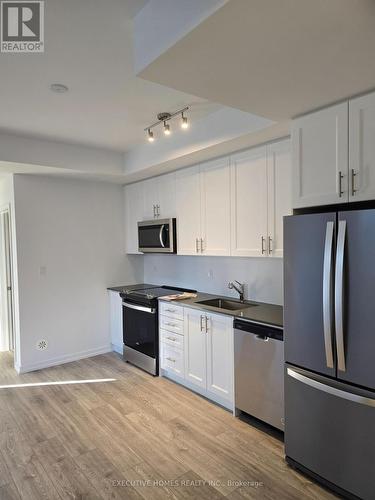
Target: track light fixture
(163,118)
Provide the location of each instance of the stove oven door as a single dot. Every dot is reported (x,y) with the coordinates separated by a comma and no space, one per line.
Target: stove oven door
(140,328)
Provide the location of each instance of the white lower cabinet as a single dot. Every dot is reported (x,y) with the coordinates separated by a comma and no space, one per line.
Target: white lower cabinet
(200,354)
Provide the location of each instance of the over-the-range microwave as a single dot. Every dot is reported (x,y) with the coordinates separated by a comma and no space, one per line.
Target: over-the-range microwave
(157,236)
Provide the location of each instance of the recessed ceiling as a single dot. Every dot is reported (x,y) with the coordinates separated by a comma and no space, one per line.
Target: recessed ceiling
(275,58)
(89,48)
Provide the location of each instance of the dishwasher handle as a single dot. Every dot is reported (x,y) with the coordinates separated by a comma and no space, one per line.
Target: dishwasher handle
(261,332)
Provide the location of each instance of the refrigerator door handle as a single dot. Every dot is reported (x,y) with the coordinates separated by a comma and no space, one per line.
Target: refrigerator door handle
(327,293)
(350,396)
(339,296)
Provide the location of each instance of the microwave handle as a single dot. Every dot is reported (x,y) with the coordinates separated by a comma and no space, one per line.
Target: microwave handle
(161,235)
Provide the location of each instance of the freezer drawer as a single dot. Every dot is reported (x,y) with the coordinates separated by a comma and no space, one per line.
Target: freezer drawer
(330,430)
(259,367)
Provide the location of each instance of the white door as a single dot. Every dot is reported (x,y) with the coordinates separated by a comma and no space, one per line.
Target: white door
(188,208)
(150,198)
(215,189)
(167,196)
(133,214)
(279,175)
(195,347)
(249,203)
(320,157)
(220,355)
(362,148)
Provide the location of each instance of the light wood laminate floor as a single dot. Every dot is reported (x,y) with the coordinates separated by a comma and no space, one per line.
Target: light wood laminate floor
(118,439)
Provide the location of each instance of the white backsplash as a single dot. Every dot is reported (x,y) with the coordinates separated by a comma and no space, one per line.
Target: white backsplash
(263,277)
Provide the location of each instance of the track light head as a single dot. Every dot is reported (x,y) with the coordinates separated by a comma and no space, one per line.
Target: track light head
(167,129)
(184,123)
(150,135)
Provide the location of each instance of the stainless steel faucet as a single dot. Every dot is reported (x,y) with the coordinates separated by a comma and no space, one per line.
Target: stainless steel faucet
(240,288)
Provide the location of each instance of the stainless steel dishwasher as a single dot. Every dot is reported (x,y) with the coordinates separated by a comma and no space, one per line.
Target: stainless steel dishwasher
(259,371)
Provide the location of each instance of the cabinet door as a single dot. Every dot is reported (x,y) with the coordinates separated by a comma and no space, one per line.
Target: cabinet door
(279,176)
(150,198)
(188,205)
(115,321)
(320,157)
(362,148)
(215,189)
(249,203)
(133,214)
(220,355)
(195,347)
(167,196)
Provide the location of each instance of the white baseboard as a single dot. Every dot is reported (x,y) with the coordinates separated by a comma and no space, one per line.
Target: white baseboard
(118,348)
(60,360)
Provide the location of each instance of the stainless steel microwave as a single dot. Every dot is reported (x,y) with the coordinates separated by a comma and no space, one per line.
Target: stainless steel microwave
(157,236)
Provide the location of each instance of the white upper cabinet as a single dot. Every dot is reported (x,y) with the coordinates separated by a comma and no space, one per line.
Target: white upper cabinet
(279,176)
(188,208)
(320,157)
(249,203)
(133,214)
(362,148)
(215,205)
(159,194)
(220,355)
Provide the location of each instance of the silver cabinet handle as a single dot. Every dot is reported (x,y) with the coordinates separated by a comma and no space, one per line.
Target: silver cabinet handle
(171,338)
(196,245)
(171,324)
(154,208)
(339,296)
(206,323)
(327,293)
(354,173)
(202,249)
(350,396)
(171,359)
(270,249)
(161,235)
(263,249)
(157,210)
(202,318)
(341,192)
(170,310)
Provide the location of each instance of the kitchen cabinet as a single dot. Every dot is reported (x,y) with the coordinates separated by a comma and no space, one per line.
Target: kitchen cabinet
(249,203)
(188,199)
(133,214)
(279,189)
(220,355)
(261,196)
(159,195)
(320,157)
(362,148)
(203,209)
(215,207)
(115,321)
(195,347)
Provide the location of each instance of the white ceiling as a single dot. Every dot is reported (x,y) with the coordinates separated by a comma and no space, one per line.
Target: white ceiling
(88,46)
(275,58)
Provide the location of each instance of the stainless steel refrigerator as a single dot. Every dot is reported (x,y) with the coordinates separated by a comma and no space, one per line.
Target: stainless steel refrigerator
(329,332)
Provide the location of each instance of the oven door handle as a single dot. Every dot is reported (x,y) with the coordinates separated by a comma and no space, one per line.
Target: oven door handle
(161,235)
(149,310)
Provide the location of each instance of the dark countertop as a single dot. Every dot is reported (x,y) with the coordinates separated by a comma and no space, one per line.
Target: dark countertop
(122,288)
(261,312)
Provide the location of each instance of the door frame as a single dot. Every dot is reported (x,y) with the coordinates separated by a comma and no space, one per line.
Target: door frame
(7,305)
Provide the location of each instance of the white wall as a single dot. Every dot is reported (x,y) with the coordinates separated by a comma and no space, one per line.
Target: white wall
(70,245)
(263,276)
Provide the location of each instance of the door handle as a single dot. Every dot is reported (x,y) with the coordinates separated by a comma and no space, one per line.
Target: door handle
(327,293)
(339,296)
(353,172)
(341,192)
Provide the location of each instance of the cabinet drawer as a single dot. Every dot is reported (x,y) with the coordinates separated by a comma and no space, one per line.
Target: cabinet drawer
(171,324)
(172,339)
(172,359)
(171,310)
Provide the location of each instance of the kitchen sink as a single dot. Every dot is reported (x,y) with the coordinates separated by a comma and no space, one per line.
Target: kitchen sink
(229,305)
